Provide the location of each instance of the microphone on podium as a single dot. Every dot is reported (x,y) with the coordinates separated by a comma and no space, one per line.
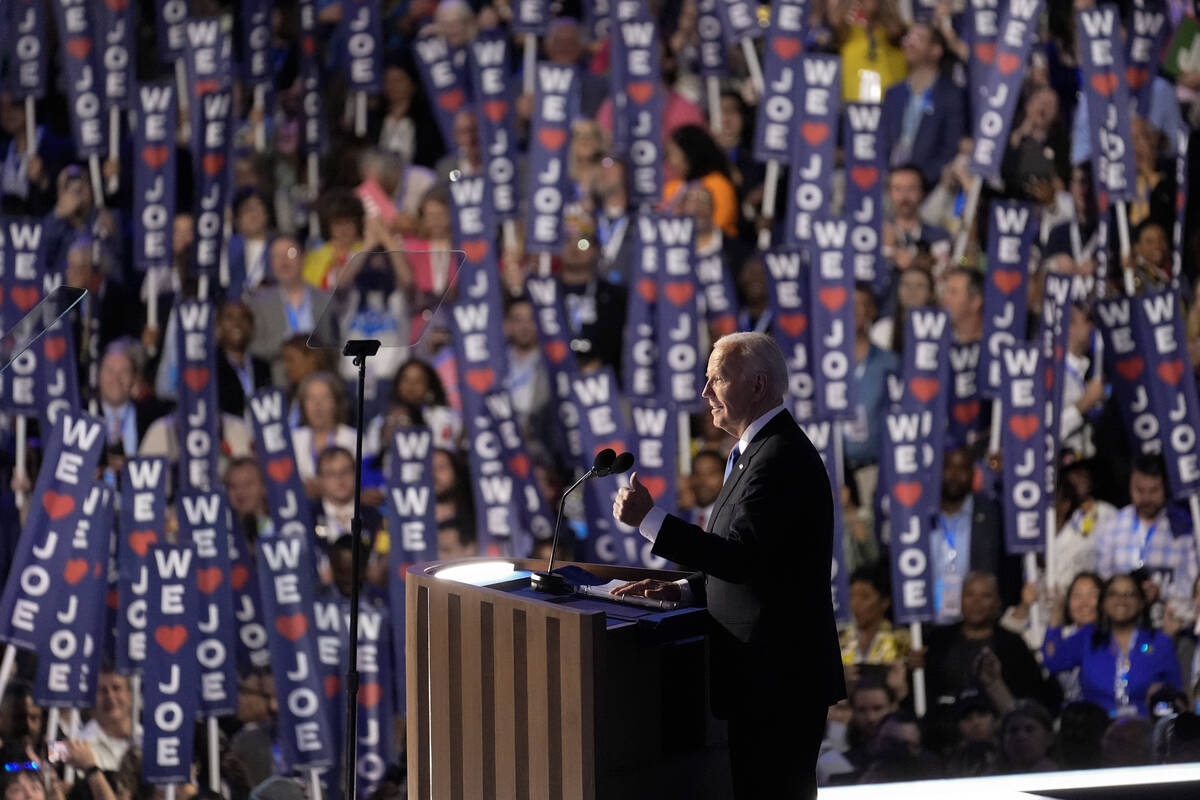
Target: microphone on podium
(606,462)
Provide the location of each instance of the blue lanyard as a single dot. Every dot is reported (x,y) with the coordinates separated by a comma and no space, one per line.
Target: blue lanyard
(1146,541)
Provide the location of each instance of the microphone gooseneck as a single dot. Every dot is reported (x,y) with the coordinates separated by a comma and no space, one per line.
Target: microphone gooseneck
(547,581)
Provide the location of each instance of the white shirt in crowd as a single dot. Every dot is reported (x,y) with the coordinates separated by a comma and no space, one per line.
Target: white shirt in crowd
(108,750)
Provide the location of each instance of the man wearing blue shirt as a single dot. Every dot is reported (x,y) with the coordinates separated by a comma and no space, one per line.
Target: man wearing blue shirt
(872,365)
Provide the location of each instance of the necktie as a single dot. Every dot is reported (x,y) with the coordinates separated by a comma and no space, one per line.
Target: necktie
(734,454)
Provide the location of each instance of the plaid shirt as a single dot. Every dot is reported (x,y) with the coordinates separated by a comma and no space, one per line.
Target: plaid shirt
(1125,543)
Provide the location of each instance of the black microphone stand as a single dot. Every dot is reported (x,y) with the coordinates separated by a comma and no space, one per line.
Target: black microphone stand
(547,581)
(361,350)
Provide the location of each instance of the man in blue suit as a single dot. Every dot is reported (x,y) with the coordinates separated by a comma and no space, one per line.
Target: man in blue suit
(924,116)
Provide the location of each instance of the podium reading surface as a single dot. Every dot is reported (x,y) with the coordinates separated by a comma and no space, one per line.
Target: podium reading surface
(516,694)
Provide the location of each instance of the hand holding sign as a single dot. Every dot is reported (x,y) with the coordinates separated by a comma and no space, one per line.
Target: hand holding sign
(633,503)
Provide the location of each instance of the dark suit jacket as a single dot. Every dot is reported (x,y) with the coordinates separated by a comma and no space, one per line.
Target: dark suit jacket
(987,549)
(765,573)
(943,123)
(231,398)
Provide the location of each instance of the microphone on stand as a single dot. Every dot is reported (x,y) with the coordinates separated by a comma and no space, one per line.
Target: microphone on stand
(606,462)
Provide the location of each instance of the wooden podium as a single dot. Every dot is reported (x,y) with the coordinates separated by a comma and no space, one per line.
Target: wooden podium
(513,694)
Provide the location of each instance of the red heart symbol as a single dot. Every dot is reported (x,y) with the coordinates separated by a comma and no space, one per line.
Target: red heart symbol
(140,541)
(1130,368)
(1105,83)
(785,47)
(332,685)
(207,86)
(451,100)
(614,445)
(985,51)
(1023,426)
(864,177)
(117,5)
(1006,280)
(154,156)
(726,325)
(99,570)
(476,250)
(648,289)
(170,637)
(1008,63)
(54,347)
(292,627)
(1048,377)
(57,505)
(280,469)
(519,464)
(793,324)
(1171,371)
(556,351)
(369,695)
(679,292)
(640,91)
(196,378)
(552,138)
(76,569)
(79,47)
(112,597)
(481,380)
(213,163)
(656,484)
(1136,77)
(966,411)
(495,109)
(208,579)
(908,493)
(25,297)
(238,576)
(814,132)
(924,389)
(832,297)
(308,45)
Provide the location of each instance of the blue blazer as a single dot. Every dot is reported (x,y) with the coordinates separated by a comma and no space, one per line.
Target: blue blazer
(943,124)
(1152,660)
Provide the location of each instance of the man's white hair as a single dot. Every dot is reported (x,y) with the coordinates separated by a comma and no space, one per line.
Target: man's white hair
(756,354)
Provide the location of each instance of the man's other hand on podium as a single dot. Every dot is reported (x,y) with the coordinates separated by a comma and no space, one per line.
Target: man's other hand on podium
(651,588)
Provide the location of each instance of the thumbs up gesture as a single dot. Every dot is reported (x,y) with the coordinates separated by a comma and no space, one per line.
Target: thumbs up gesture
(633,503)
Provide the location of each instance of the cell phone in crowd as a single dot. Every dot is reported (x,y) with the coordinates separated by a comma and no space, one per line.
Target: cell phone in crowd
(56,752)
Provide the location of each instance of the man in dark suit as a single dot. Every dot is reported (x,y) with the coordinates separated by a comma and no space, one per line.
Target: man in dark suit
(764,573)
(239,374)
(924,116)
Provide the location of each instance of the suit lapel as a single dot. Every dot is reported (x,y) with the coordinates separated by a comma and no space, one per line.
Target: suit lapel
(739,469)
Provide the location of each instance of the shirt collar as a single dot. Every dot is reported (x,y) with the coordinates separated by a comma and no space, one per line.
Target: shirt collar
(754,427)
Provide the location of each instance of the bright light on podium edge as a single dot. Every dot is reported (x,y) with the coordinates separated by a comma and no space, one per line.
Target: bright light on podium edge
(476,573)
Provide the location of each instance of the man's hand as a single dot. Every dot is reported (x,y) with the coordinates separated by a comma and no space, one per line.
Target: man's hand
(651,588)
(79,754)
(632,503)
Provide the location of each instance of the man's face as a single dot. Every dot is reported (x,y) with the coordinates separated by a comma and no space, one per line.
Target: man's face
(256,698)
(336,476)
(979,602)
(285,261)
(904,191)
(731,395)
(1147,494)
(563,45)
(956,298)
(12,114)
(870,707)
(913,289)
(1152,245)
(245,489)
(466,133)
(183,233)
(116,379)
(919,47)
(707,476)
(698,203)
(112,699)
(519,326)
(958,474)
(235,326)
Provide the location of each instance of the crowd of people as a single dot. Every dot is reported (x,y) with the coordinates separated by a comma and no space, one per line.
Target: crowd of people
(1094,664)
